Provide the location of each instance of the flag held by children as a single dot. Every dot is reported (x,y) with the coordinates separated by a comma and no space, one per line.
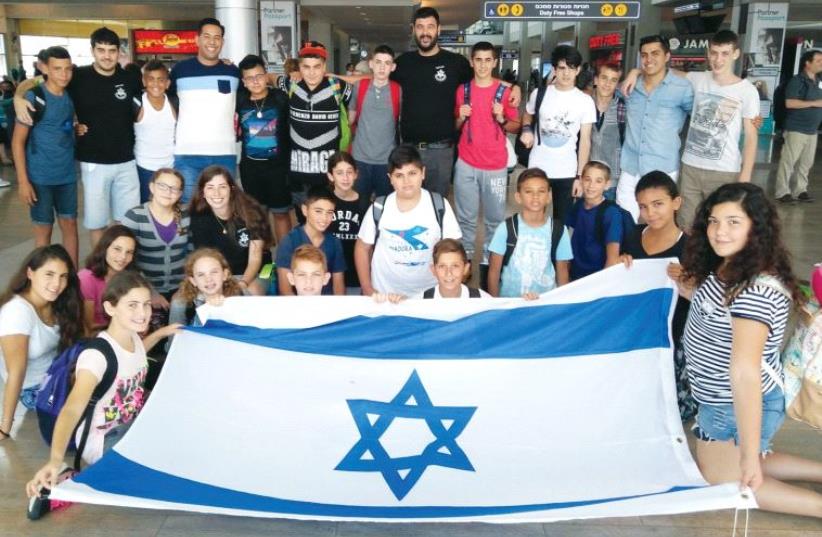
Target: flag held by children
(476,410)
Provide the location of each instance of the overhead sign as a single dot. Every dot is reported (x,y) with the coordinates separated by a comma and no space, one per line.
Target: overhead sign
(451,37)
(509,54)
(561,10)
(165,41)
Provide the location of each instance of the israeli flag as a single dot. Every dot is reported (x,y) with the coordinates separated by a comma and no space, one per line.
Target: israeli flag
(338,408)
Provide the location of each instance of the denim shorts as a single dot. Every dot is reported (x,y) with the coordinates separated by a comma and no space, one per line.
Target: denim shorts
(718,422)
(60,199)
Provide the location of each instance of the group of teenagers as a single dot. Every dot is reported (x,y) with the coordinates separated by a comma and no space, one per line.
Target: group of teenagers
(367,226)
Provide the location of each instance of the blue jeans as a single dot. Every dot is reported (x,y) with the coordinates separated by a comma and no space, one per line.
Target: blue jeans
(372,179)
(145,178)
(191,166)
(718,422)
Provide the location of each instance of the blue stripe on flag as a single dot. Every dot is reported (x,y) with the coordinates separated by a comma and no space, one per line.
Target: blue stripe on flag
(595,327)
(116,474)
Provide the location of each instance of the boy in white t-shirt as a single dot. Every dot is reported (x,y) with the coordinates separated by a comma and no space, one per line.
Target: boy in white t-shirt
(398,232)
(154,126)
(564,113)
(724,104)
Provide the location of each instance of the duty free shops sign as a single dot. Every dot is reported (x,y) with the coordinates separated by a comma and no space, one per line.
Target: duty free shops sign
(561,10)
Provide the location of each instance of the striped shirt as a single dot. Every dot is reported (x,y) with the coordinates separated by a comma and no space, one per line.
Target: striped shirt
(161,262)
(708,334)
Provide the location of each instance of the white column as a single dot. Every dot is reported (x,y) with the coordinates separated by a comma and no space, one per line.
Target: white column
(241,29)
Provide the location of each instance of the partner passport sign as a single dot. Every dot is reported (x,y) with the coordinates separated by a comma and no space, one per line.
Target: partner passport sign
(561,10)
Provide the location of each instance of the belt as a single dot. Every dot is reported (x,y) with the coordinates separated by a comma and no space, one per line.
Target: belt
(444,144)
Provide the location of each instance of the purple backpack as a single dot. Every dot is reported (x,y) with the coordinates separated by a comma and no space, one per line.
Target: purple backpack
(56,385)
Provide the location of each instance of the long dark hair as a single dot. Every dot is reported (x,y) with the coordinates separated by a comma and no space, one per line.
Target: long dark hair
(764,252)
(68,307)
(96,260)
(243,206)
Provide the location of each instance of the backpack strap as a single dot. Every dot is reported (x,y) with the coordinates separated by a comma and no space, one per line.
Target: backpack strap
(474,293)
(104,347)
(376,213)
(511,229)
(439,208)
(621,119)
(466,99)
(395,98)
(136,105)
(557,228)
(174,101)
(599,220)
(429,293)
(362,90)
(335,88)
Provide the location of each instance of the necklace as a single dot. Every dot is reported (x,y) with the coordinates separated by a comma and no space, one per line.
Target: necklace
(259,108)
(220,222)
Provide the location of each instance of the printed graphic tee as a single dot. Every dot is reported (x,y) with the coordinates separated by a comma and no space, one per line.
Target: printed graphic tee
(560,118)
(716,122)
(404,248)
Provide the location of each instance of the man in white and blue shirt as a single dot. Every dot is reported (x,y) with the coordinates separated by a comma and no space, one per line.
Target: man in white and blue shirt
(207,91)
(656,112)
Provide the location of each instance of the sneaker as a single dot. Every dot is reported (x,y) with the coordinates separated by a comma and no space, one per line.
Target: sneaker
(41,504)
(787,198)
(4,183)
(805,197)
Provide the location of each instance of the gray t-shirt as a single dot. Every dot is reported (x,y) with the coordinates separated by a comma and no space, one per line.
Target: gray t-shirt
(376,129)
(804,120)
(606,144)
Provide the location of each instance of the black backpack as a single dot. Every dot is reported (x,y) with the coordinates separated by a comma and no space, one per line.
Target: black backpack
(137,104)
(512,229)
(523,153)
(628,223)
(379,204)
(472,293)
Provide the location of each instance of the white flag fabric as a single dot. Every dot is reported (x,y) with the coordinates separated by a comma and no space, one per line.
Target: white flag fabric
(339,408)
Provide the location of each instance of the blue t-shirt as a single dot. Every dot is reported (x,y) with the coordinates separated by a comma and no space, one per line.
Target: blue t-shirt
(331,247)
(50,145)
(589,252)
(530,269)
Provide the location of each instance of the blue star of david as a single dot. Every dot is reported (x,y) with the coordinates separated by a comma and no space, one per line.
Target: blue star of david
(368,454)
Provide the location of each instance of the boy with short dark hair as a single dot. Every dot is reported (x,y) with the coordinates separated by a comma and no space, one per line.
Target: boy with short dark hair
(317,121)
(374,112)
(597,234)
(551,129)
(154,125)
(309,271)
(530,251)
(451,266)
(393,250)
(481,172)
(318,211)
(44,154)
(262,114)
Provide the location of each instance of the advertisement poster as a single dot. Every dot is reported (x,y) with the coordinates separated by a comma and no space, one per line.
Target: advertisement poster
(764,43)
(278,33)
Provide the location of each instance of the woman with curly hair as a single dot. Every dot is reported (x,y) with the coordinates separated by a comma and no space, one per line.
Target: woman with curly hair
(40,315)
(112,254)
(226,219)
(737,273)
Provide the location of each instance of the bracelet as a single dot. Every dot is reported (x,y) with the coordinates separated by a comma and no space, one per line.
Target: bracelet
(4,433)
(527,128)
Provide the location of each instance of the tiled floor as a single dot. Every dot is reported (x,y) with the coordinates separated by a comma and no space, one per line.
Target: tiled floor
(22,456)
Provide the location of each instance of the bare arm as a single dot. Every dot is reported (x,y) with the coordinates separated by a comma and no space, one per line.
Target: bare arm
(612,254)
(749,339)
(527,136)
(749,151)
(15,353)
(799,103)
(362,260)
(494,272)
(563,270)
(72,411)
(338,283)
(21,105)
(25,191)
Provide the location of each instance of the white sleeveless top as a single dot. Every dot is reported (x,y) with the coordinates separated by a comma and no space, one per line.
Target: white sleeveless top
(154,136)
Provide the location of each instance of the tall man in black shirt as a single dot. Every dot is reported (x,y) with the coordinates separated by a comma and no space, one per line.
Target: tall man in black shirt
(102,93)
(429,78)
